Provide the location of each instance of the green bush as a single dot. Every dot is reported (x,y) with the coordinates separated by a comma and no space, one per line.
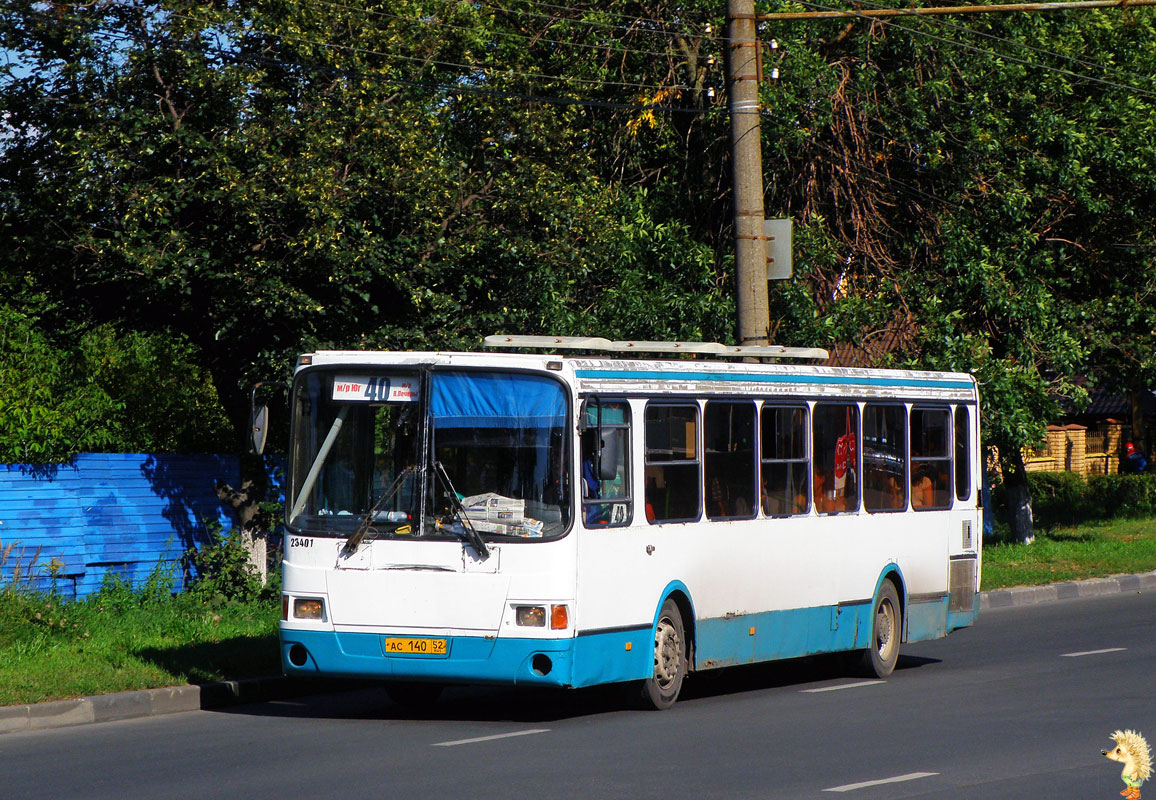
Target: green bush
(1126,496)
(223,572)
(1060,497)
(1065,498)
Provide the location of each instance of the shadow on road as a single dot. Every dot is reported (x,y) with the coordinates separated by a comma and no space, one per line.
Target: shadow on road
(365,700)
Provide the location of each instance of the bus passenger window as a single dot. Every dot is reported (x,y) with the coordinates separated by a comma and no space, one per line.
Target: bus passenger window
(930,458)
(962,454)
(884,458)
(785,488)
(606,500)
(672,463)
(729,461)
(835,452)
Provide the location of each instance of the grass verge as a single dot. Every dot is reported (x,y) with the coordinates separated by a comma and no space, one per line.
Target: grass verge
(119,640)
(1090,550)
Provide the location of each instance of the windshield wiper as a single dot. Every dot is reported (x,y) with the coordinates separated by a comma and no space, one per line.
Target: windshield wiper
(366,523)
(465,528)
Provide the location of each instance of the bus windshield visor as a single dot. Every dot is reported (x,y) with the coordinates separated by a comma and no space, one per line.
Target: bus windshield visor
(496,444)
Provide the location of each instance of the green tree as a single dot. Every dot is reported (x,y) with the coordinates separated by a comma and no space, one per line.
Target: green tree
(110,391)
(46,414)
(264,177)
(966,187)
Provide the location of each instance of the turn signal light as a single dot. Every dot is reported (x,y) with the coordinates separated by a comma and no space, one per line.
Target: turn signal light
(559,618)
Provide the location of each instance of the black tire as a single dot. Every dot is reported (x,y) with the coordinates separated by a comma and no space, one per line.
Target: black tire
(671,660)
(413,696)
(878,660)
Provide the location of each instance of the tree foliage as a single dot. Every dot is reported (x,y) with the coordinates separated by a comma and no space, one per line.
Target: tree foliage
(264,177)
(252,178)
(976,195)
(110,391)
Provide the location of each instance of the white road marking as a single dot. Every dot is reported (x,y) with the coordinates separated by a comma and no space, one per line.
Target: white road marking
(491,738)
(911,776)
(841,686)
(1093,652)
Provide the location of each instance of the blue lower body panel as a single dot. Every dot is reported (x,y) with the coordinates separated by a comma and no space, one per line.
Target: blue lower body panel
(609,656)
(965,617)
(927,619)
(772,635)
(468,659)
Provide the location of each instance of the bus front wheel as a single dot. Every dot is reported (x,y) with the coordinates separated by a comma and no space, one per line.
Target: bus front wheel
(886,629)
(660,691)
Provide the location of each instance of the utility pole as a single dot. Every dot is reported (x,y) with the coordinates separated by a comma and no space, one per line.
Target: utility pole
(747,164)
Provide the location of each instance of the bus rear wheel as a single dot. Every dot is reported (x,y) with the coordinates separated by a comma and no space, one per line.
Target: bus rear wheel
(660,691)
(886,629)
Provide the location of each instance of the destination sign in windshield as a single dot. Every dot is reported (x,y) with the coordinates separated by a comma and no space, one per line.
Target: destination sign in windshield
(375,389)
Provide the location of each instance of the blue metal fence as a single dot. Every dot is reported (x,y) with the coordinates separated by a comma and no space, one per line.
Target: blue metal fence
(65,527)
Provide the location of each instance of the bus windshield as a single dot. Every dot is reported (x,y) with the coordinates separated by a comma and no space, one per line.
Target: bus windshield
(495,453)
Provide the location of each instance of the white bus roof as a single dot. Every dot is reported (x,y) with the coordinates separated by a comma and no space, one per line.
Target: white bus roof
(628,372)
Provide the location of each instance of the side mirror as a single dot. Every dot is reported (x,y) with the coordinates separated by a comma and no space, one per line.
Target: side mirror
(258,428)
(259,418)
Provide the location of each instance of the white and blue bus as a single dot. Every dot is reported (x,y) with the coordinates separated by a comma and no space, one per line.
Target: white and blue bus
(544,520)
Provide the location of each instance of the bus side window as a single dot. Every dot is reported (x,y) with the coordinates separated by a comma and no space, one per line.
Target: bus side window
(930,459)
(606,500)
(783,440)
(962,453)
(672,463)
(835,451)
(729,460)
(884,457)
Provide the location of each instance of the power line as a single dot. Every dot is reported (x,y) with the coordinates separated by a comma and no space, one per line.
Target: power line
(928,11)
(975,49)
(939,20)
(431,21)
(630,28)
(233,58)
(469,69)
(1023,45)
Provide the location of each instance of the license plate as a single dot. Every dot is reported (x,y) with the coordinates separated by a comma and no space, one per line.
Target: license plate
(421,647)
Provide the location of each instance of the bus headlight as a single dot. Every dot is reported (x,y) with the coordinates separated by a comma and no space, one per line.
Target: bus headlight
(530,616)
(308,608)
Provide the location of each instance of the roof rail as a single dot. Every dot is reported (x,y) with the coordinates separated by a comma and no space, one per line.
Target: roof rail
(705,348)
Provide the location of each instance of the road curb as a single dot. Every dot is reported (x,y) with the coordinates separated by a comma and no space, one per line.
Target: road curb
(1092,587)
(157,702)
(174,699)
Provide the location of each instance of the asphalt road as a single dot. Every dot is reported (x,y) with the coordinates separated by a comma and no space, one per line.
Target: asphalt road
(1017,707)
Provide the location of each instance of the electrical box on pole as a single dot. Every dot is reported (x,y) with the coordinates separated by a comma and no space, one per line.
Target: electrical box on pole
(779,233)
